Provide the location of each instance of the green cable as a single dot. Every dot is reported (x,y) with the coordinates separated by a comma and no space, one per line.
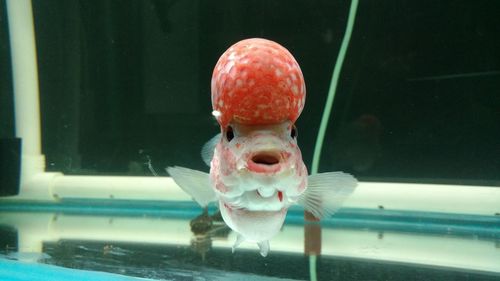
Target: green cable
(333,87)
(328,109)
(312,268)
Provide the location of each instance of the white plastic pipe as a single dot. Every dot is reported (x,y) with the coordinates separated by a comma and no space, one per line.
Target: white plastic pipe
(26,98)
(24,75)
(35,183)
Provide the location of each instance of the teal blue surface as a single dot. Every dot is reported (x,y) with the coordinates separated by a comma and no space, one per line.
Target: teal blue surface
(378,219)
(19,271)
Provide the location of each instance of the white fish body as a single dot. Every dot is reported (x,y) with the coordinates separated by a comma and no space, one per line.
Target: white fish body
(256,174)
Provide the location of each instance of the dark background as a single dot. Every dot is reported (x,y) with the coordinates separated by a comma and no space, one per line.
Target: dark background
(126,82)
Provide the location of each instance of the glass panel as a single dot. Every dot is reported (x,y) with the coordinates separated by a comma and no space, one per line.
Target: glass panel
(125,84)
(7,127)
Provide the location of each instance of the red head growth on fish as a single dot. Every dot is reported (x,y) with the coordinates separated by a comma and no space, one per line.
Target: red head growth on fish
(257,82)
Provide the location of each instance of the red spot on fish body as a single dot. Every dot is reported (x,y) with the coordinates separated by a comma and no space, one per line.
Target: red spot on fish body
(285,155)
(227,161)
(221,187)
(303,184)
(280,196)
(217,169)
(228,208)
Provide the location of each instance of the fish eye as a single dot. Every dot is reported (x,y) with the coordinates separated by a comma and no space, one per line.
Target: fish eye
(293,132)
(229,133)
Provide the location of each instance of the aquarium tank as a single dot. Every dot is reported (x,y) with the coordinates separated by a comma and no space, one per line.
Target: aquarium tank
(109,168)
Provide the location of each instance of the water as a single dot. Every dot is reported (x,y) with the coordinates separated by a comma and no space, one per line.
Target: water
(154,240)
(124,89)
(125,85)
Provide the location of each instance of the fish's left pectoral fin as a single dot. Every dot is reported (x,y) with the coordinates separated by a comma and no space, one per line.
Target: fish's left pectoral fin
(326,192)
(193,182)
(264,247)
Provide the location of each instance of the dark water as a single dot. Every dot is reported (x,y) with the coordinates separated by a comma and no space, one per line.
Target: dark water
(180,263)
(126,82)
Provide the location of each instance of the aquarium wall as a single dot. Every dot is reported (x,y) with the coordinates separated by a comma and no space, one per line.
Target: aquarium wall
(126,87)
(97,97)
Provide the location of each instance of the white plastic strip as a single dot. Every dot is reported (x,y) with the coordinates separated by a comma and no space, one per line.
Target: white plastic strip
(33,182)
(118,187)
(458,199)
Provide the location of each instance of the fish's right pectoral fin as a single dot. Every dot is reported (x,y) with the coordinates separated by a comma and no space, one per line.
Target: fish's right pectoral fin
(326,192)
(193,182)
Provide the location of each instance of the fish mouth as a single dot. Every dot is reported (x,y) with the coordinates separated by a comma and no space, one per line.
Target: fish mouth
(265,162)
(266,159)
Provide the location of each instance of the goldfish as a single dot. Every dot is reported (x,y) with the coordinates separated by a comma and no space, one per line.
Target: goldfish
(256,167)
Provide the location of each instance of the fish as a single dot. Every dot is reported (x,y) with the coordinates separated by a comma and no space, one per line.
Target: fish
(256,167)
